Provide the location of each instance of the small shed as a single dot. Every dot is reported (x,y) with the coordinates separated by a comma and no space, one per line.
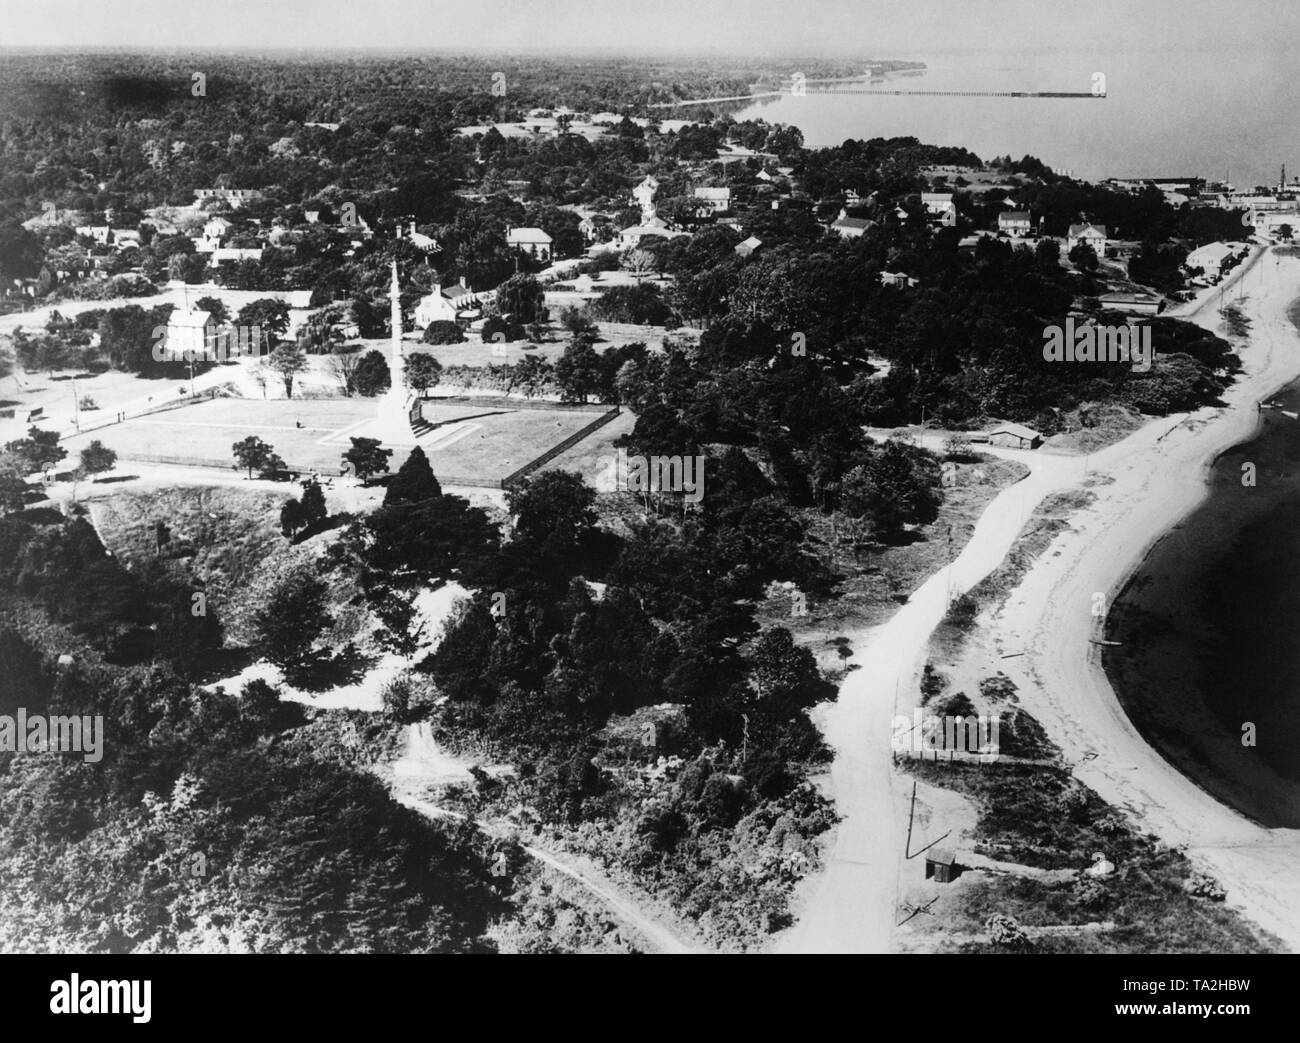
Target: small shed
(941,865)
(1015,436)
(1100,866)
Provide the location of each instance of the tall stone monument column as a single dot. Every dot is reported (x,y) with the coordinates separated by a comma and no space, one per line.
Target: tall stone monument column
(392,423)
(395,399)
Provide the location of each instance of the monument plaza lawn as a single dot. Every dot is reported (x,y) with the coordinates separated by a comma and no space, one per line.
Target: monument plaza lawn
(470,443)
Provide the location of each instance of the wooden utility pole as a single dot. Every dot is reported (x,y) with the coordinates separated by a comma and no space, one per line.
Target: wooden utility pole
(907,848)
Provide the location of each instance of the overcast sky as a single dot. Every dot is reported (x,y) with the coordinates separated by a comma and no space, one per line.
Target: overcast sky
(869,28)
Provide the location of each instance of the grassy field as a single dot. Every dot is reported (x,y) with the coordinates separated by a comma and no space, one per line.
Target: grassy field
(593,454)
(479,441)
(110,390)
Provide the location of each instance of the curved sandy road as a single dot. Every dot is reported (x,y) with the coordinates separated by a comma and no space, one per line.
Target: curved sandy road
(850,906)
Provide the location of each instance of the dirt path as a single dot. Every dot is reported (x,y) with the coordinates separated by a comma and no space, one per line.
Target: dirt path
(660,938)
(426,765)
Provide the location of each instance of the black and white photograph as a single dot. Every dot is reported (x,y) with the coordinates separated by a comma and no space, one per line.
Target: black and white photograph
(720,477)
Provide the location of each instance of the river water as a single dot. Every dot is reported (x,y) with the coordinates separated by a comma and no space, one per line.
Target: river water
(1209,670)
(1165,114)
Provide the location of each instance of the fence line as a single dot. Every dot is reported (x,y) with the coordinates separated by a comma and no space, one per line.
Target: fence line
(514,403)
(965,757)
(208,463)
(559,448)
(962,756)
(221,465)
(180,402)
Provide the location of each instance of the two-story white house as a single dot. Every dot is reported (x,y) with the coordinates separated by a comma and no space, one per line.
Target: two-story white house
(712,200)
(189,332)
(1094,235)
(1015,222)
(850,227)
(445,304)
(214,234)
(532,241)
(940,207)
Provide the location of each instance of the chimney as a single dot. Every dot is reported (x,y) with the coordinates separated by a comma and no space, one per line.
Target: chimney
(413,228)
(462,282)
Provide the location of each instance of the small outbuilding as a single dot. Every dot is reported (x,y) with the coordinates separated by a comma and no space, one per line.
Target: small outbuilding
(941,866)
(1100,865)
(1015,436)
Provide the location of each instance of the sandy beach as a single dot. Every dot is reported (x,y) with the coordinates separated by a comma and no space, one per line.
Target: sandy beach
(1159,476)
(1149,481)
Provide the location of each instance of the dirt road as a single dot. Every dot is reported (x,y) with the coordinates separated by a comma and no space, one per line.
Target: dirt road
(851,906)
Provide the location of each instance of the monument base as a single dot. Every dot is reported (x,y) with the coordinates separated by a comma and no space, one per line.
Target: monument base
(392,425)
(392,432)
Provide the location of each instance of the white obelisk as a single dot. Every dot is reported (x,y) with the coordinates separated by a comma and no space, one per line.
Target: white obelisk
(395,398)
(392,423)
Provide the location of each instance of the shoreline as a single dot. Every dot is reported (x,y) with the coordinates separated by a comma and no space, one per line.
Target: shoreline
(1189,680)
(1160,476)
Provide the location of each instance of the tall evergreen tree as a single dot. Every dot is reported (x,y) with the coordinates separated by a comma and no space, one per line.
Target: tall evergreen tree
(313,503)
(414,481)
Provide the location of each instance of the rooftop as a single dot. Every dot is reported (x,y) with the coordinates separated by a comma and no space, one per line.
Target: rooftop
(182,318)
(1019,430)
(527,235)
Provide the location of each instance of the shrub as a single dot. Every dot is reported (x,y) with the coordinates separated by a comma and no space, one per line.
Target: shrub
(1089,893)
(396,699)
(958,447)
(510,331)
(1201,886)
(444,331)
(962,612)
(957,704)
(1006,932)
(1073,804)
(998,687)
(932,683)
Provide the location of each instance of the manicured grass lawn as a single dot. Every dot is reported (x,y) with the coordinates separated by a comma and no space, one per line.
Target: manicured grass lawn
(473,441)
